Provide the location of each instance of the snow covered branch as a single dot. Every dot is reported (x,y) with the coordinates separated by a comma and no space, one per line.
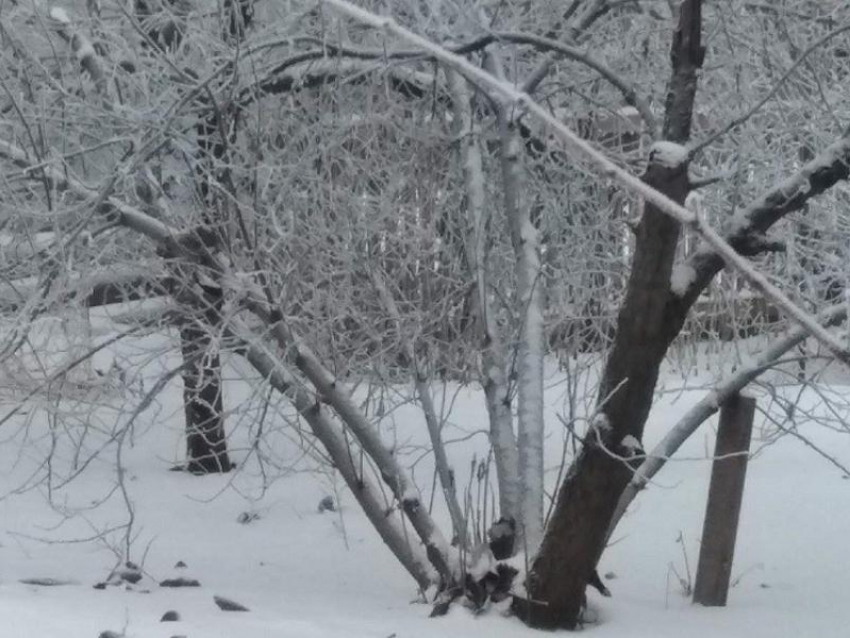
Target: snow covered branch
(330,435)
(688,424)
(628,90)
(423,394)
(747,237)
(82,47)
(523,101)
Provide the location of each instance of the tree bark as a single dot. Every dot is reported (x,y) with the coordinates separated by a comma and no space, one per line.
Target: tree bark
(588,496)
(493,365)
(531,345)
(203,401)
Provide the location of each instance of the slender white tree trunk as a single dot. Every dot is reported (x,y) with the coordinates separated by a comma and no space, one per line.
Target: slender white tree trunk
(530,349)
(493,366)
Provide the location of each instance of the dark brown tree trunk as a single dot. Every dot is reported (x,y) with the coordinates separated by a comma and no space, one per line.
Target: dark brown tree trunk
(588,497)
(203,403)
(206,443)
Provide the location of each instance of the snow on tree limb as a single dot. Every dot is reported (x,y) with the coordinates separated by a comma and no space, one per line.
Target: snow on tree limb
(523,101)
(423,393)
(709,405)
(179,244)
(82,47)
(790,195)
(330,435)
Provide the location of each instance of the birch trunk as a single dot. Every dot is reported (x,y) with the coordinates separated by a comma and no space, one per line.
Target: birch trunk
(493,365)
(525,239)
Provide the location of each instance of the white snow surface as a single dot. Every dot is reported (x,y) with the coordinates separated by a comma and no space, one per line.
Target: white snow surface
(304,574)
(668,154)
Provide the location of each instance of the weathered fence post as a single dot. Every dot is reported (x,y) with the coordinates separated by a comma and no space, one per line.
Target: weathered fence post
(725,494)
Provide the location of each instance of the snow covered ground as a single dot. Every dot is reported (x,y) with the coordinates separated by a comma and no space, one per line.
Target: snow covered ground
(305,574)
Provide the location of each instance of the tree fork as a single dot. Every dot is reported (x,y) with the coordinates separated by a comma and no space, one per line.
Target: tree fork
(587,499)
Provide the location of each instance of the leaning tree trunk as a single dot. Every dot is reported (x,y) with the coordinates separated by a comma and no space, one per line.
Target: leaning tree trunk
(588,497)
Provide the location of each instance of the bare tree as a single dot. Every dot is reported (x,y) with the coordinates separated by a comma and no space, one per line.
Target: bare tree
(445,193)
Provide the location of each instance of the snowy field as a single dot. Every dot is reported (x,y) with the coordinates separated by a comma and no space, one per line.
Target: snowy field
(305,574)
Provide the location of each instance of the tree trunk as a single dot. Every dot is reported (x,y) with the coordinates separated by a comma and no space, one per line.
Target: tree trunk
(525,239)
(588,497)
(206,444)
(203,404)
(493,366)
(344,457)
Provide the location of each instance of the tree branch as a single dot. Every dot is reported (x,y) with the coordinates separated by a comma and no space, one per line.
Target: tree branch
(664,204)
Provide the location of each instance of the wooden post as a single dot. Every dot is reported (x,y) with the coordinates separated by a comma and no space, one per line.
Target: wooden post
(724,501)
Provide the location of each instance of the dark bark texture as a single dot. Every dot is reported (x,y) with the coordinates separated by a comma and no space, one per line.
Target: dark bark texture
(206,443)
(203,402)
(586,501)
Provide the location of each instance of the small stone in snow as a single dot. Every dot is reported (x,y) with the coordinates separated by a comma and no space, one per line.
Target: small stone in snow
(180,582)
(180,565)
(46,582)
(246,517)
(610,575)
(225,604)
(170,616)
(110,634)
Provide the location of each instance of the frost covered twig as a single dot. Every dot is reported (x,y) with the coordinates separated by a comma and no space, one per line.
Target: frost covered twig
(522,100)
(331,437)
(687,425)
(423,394)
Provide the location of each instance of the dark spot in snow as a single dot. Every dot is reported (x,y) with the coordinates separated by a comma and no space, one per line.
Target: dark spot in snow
(170,616)
(246,517)
(225,604)
(327,505)
(180,582)
(46,582)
